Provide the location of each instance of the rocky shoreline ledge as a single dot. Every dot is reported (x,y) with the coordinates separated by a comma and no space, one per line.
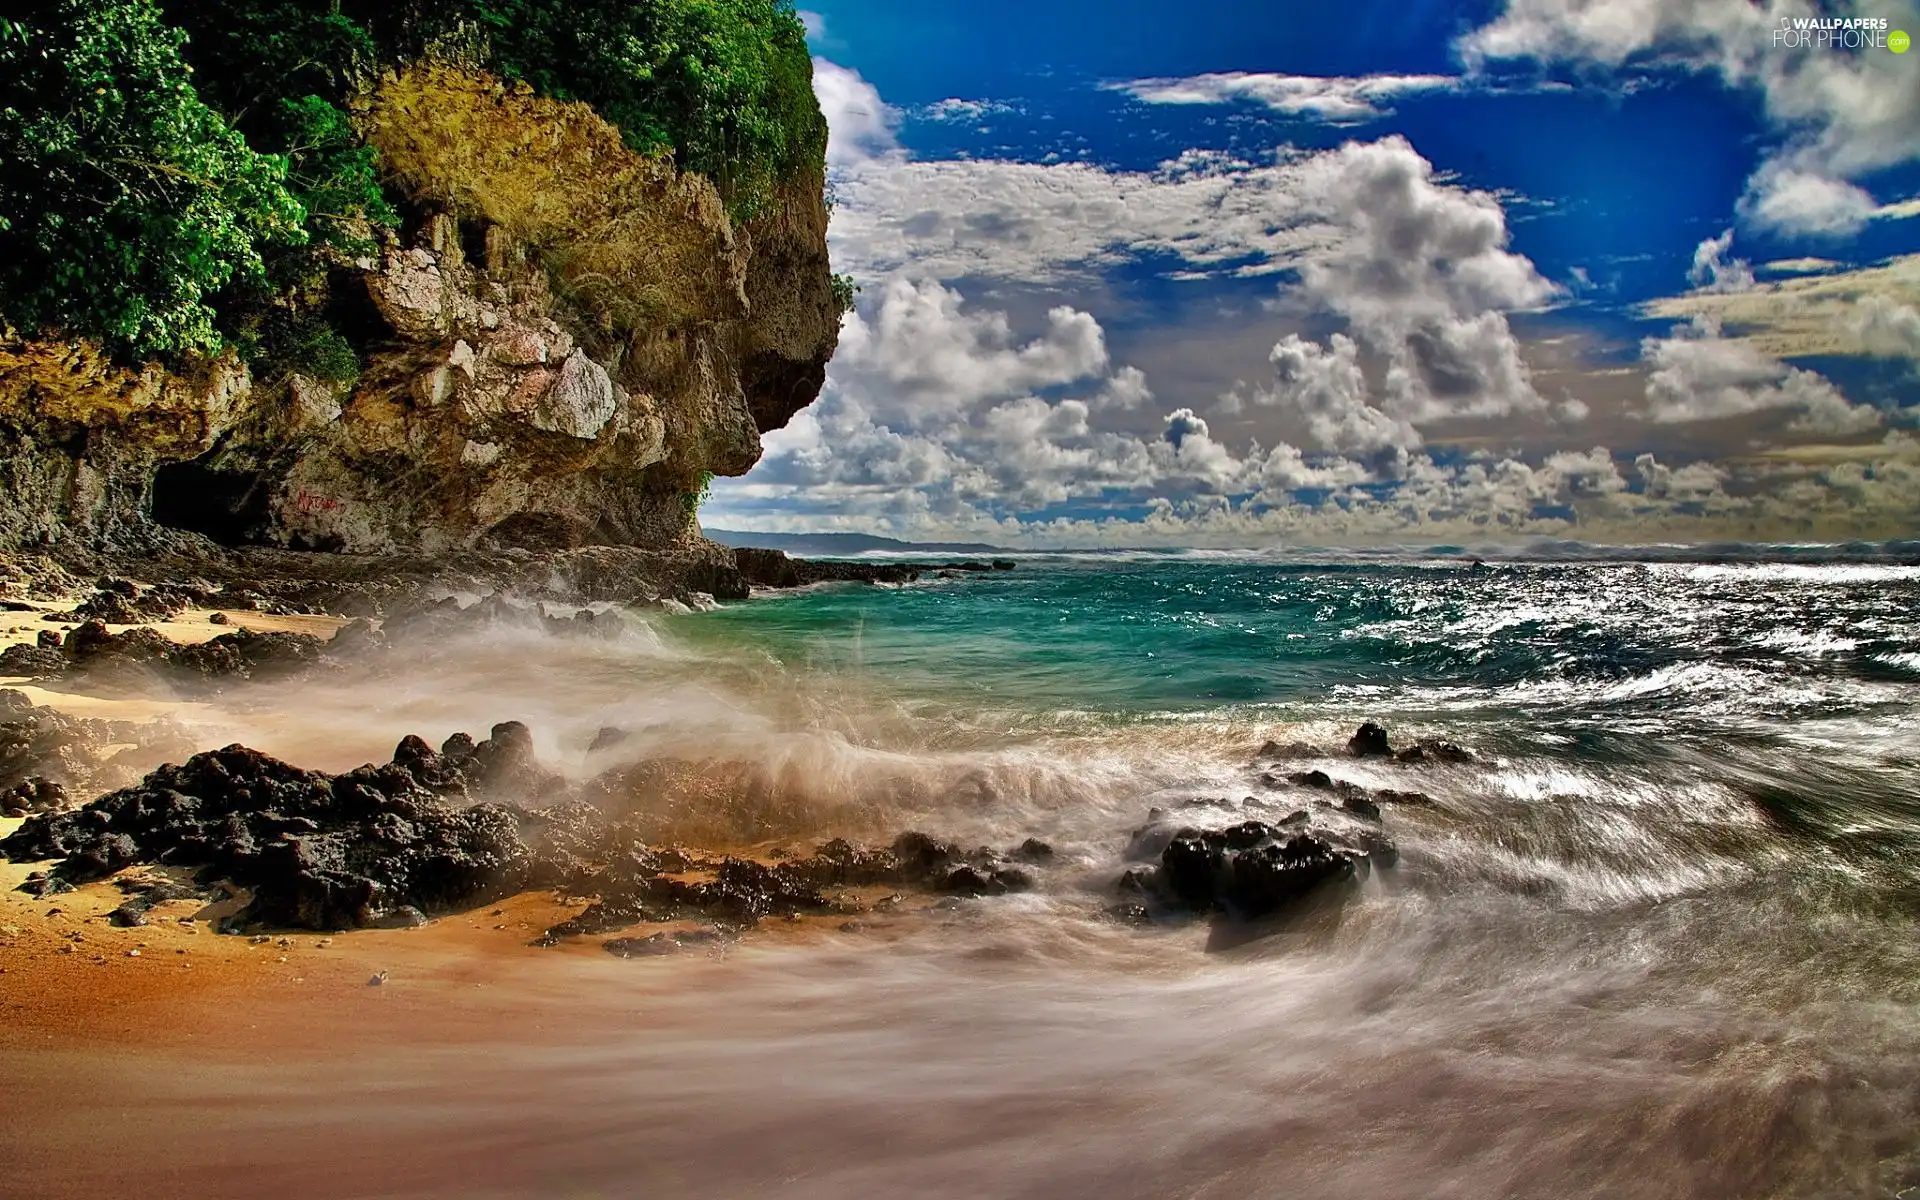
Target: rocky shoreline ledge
(438,831)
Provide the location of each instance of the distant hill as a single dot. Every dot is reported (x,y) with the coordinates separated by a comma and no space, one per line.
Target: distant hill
(844,543)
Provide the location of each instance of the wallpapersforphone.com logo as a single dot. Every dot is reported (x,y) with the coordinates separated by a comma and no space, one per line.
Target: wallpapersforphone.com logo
(1839,33)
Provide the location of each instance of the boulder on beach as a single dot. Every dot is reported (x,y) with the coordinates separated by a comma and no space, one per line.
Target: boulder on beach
(432,831)
(1369,741)
(1251,869)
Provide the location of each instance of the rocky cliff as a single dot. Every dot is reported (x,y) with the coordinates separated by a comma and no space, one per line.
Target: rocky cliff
(560,343)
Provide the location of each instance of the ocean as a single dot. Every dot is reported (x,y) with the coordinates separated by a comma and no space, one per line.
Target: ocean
(1657,939)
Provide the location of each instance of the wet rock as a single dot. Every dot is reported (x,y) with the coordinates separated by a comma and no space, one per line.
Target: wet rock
(1273,750)
(840,863)
(774,569)
(1393,796)
(1189,867)
(242,653)
(43,883)
(1264,878)
(93,645)
(606,737)
(1129,912)
(969,881)
(1139,880)
(32,662)
(1013,879)
(922,856)
(122,602)
(1433,750)
(503,765)
(1033,850)
(35,794)
(406,916)
(1362,802)
(356,639)
(642,947)
(1250,869)
(319,851)
(1378,847)
(767,568)
(1150,839)
(1369,741)
(747,891)
(46,743)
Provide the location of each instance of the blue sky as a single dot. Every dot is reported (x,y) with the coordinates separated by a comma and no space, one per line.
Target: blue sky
(1256,274)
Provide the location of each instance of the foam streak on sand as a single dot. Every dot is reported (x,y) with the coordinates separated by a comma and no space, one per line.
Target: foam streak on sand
(1649,932)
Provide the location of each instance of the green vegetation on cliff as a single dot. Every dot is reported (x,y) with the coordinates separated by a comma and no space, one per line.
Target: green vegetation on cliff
(176,175)
(126,202)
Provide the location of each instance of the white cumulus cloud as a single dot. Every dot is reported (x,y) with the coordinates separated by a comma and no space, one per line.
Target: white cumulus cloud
(1335,99)
(1839,115)
(1701,376)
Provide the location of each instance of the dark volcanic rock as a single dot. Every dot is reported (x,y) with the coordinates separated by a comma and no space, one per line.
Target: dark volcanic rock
(968,881)
(606,737)
(767,568)
(122,602)
(773,569)
(641,947)
(33,795)
(243,653)
(92,645)
(922,856)
(31,662)
(1355,799)
(47,743)
(384,844)
(1369,741)
(320,851)
(1014,879)
(1361,805)
(1251,869)
(1273,874)
(1432,750)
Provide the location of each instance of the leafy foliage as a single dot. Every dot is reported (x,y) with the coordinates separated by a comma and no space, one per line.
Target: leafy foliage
(170,193)
(726,85)
(126,202)
(844,291)
(690,502)
(282,70)
(287,338)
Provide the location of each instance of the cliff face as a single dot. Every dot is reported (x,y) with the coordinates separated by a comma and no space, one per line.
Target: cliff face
(565,341)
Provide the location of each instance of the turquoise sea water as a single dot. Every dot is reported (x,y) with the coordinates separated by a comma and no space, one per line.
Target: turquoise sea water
(1696,649)
(1659,940)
